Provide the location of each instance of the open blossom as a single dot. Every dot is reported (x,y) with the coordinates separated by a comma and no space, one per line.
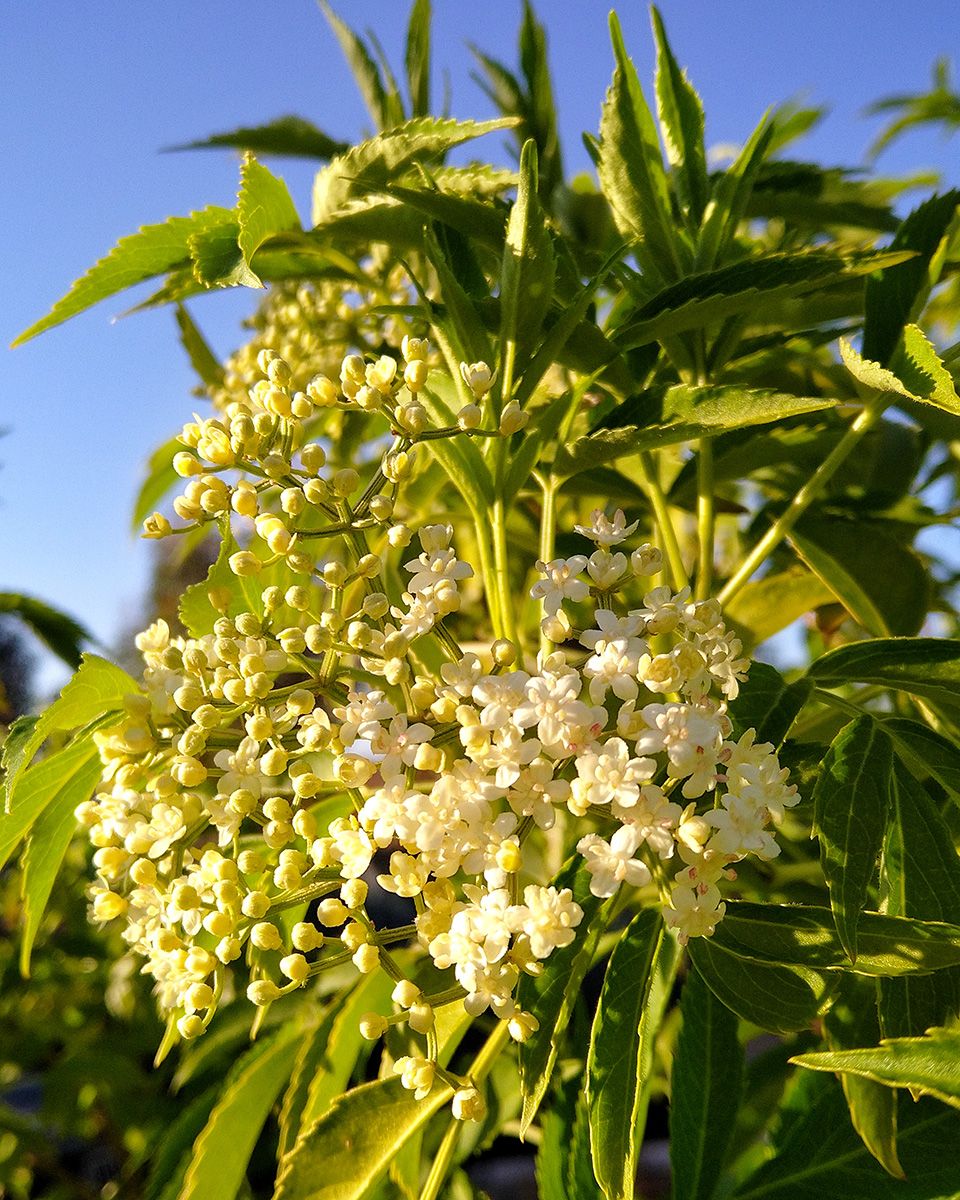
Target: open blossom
(560,582)
(606,531)
(612,863)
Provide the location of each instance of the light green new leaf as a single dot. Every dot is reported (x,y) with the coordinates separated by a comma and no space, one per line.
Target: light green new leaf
(919,877)
(97,688)
(851,1022)
(621,1051)
(291,137)
(47,843)
(245,592)
(776,997)
(704,1091)
(680,112)
(223,1149)
(218,260)
(686,413)
(764,606)
(349,1148)
(806,936)
(915,372)
(39,786)
(821,1156)
(264,208)
(923,666)
(58,631)
(631,167)
(202,358)
(928,1065)
(150,251)
(528,270)
(731,194)
(160,479)
(851,802)
(879,581)
(550,996)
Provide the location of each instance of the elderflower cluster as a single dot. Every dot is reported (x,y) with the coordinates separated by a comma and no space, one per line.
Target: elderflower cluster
(320,735)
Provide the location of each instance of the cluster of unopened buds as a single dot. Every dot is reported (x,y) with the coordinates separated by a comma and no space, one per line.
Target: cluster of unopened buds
(276,770)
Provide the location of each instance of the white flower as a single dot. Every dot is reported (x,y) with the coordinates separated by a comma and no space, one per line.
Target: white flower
(612,863)
(548,917)
(606,532)
(608,775)
(560,582)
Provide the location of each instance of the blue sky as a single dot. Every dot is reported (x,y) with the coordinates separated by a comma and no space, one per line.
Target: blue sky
(91,92)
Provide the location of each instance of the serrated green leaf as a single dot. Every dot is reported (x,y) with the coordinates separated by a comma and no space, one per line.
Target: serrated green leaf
(381,160)
(806,936)
(878,580)
(160,479)
(926,752)
(621,1052)
(631,168)
(684,414)
(528,270)
(223,1148)
(764,606)
(197,613)
(851,1022)
(705,1088)
(264,208)
(202,358)
(919,877)
(927,1065)
(290,137)
(417,58)
(922,666)
(915,372)
(58,631)
(706,297)
(550,996)
(349,1148)
(821,1155)
(730,196)
(150,251)
(775,997)
(47,843)
(894,297)
(218,260)
(98,687)
(680,112)
(768,704)
(364,69)
(39,786)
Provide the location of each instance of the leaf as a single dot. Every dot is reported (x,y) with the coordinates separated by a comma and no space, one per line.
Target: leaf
(922,666)
(244,593)
(528,270)
(349,1148)
(919,877)
(926,752)
(630,166)
(680,112)
(915,372)
(731,195)
(291,137)
(768,704)
(806,936)
(221,1152)
(705,1086)
(706,297)
(218,260)
(895,295)
(687,413)
(150,251)
(160,479)
(39,786)
(822,1156)
(881,583)
(47,843)
(364,69)
(929,1066)
(851,1022)
(202,359)
(380,160)
(764,606)
(58,631)
(170,1158)
(264,208)
(621,1052)
(98,687)
(778,998)
(417,58)
(550,996)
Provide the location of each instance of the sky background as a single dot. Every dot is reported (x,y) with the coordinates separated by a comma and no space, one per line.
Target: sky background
(92,92)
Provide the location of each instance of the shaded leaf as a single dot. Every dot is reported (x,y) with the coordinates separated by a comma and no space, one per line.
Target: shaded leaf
(417,58)
(150,251)
(218,260)
(680,112)
(922,666)
(915,372)
(768,704)
(290,136)
(160,479)
(764,606)
(202,359)
(364,69)
(926,752)
(731,195)
(58,631)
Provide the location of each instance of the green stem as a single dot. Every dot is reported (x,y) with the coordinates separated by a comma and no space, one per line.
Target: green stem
(862,423)
(661,512)
(706,518)
(489,576)
(498,521)
(548,537)
(481,1068)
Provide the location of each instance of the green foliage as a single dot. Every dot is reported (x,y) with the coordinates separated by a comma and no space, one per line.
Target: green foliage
(58,631)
